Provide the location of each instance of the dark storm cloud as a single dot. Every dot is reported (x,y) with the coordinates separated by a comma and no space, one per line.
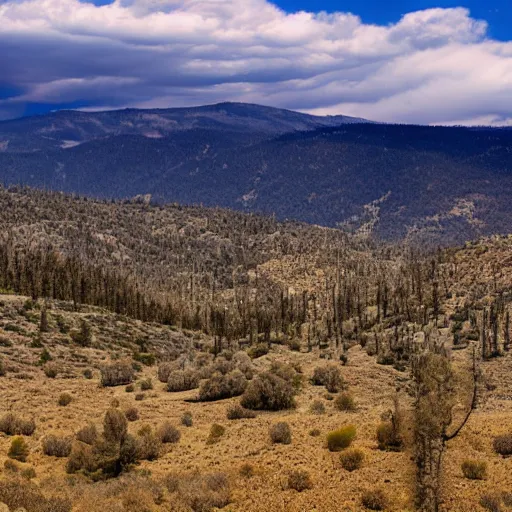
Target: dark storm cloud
(434,66)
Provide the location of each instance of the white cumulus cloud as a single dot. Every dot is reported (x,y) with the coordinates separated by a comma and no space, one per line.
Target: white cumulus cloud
(432,66)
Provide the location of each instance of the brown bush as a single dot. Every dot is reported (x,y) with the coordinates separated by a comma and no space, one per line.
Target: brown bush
(182,380)
(503,444)
(388,437)
(186,419)
(12,424)
(288,373)
(57,446)
(118,373)
(18,493)
(216,432)
(87,434)
(149,445)
(246,470)
(164,370)
(345,402)
(351,459)
(65,399)
(474,469)
(132,414)
(81,458)
(328,376)
(51,370)
(237,412)
(168,433)
(223,386)
(203,493)
(19,449)
(299,480)
(317,407)
(374,500)
(280,433)
(146,384)
(243,362)
(491,502)
(115,426)
(268,392)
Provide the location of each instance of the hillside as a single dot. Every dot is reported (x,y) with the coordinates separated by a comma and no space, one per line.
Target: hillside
(435,184)
(175,317)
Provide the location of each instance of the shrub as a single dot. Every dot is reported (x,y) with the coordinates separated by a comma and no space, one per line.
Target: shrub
(288,373)
(168,433)
(345,402)
(374,500)
(88,374)
(328,376)
(132,414)
(315,432)
(258,350)
(317,407)
(280,433)
(146,358)
(268,392)
(119,373)
(146,384)
(507,498)
(2,368)
(340,439)
(148,444)
(216,432)
(50,370)
(87,434)
(11,425)
(57,446)
(28,473)
(19,449)
(491,502)
(182,380)
(237,412)
(223,386)
(115,426)
(388,437)
(246,470)
(503,444)
(65,399)
(299,480)
(244,364)
(186,419)
(83,337)
(81,458)
(202,493)
(21,494)
(164,371)
(139,397)
(351,459)
(130,388)
(474,469)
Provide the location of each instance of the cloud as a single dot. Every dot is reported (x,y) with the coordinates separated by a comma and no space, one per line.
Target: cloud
(432,66)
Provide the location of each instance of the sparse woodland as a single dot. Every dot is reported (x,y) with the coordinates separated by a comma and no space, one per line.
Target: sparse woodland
(182,331)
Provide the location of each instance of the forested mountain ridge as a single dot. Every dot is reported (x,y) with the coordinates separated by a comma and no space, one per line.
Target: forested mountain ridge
(443,184)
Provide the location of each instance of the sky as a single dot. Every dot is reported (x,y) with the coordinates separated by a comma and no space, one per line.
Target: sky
(407,61)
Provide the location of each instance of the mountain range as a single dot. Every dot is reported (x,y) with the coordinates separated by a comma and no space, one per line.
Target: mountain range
(446,184)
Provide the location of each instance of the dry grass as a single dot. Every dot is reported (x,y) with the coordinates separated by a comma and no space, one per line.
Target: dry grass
(244,442)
